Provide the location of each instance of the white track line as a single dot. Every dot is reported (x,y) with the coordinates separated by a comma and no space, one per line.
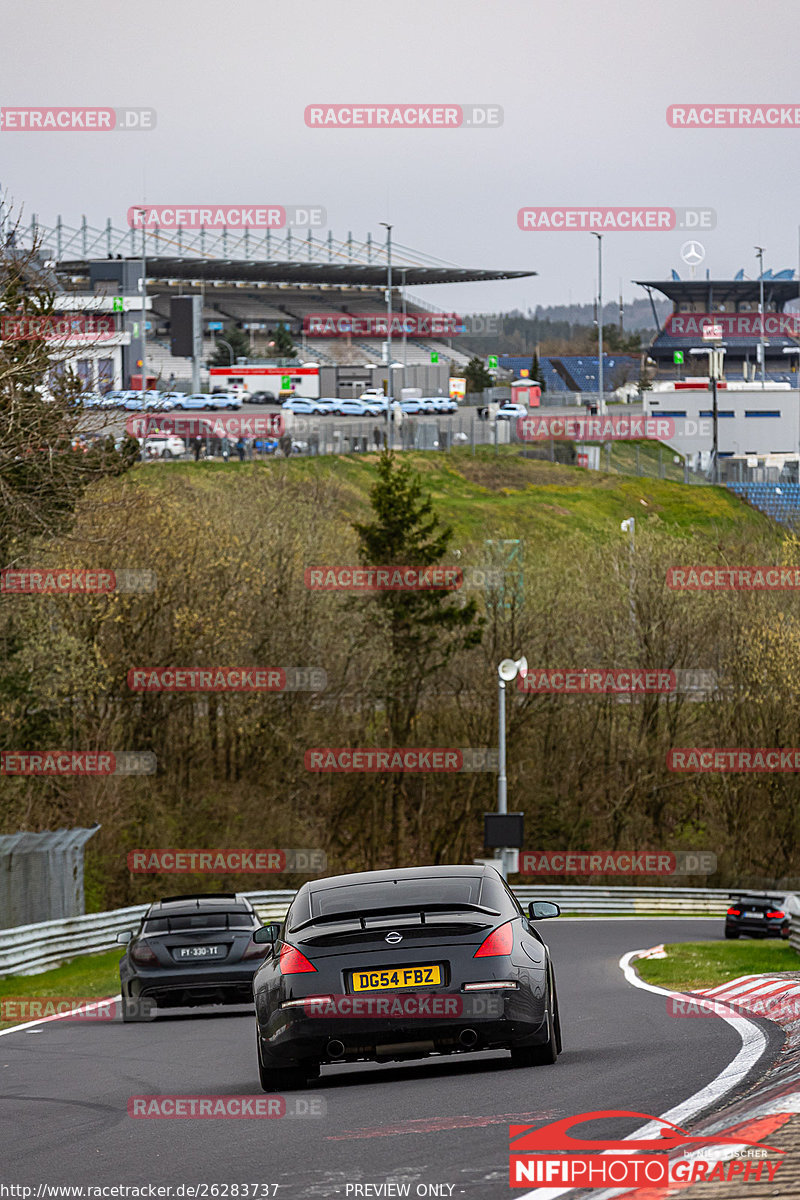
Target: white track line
(59,1016)
(754,1043)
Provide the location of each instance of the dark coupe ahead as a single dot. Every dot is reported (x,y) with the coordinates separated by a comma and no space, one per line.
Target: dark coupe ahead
(389,965)
(190,950)
(757,915)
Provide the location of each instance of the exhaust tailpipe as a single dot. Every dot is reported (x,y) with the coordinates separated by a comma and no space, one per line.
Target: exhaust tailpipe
(335,1048)
(468,1037)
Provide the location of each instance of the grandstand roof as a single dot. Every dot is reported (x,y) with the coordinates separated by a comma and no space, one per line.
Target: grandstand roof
(343,273)
(724,291)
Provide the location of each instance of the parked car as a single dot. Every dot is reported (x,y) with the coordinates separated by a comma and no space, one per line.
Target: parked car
(163,445)
(190,950)
(196,400)
(443,934)
(507,411)
(229,400)
(260,398)
(372,394)
(301,404)
(159,401)
(330,404)
(358,408)
(757,916)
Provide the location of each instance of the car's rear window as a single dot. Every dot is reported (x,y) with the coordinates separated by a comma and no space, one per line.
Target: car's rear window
(186,923)
(365,897)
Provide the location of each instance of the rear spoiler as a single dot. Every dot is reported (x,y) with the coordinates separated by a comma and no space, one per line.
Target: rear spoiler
(757,896)
(397,910)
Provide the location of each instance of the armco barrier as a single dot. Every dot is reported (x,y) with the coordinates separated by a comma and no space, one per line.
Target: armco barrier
(29,949)
(794,932)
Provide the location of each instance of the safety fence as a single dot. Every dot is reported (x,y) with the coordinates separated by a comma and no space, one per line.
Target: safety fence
(794,932)
(30,949)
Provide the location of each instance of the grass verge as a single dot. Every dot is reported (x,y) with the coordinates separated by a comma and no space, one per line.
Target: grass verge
(88,977)
(691,965)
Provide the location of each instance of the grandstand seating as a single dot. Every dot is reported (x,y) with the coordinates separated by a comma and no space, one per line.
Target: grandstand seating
(781,501)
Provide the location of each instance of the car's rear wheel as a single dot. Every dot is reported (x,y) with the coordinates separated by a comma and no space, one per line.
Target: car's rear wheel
(278,1079)
(546,1053)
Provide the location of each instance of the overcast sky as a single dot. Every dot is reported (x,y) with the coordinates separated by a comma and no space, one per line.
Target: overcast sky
(584,88)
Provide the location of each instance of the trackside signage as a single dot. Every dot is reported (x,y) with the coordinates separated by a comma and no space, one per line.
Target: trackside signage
(578,428)
(553,1157)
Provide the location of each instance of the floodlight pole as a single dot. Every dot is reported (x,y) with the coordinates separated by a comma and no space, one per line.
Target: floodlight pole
(502,782)
(599,237)
(760,256)
(143,211)
(388,229)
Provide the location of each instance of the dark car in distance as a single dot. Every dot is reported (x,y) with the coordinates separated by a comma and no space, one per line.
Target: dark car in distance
(756,916)
(190,950)
(401,964)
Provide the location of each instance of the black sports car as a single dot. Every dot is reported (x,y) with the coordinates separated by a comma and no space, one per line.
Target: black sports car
(190,950)
(388,965)
(756,916)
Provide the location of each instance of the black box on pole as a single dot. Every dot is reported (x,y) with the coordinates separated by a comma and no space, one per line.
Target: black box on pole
(504,829)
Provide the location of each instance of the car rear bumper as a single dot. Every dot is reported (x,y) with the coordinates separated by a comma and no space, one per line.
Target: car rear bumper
(490,1021)
(180,988)
(755,928)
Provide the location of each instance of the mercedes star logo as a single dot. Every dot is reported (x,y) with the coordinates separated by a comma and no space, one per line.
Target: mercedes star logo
(394,937)
(692,253)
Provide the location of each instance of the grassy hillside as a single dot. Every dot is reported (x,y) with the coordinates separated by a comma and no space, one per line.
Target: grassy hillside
(509,495)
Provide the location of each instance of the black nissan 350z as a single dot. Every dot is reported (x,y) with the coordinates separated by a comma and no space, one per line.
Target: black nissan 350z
(389,965)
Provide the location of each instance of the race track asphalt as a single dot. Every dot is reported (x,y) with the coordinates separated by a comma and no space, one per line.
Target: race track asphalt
(64,1090)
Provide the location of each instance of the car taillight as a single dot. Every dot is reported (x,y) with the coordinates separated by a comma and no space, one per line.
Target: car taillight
(255,949)
(734,912)
(293,962)
(143,955)
(499,941)
(777,913)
